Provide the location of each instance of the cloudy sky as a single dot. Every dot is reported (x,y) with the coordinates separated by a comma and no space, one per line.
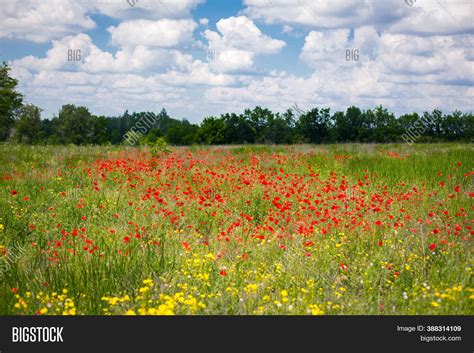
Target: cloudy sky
(206,57)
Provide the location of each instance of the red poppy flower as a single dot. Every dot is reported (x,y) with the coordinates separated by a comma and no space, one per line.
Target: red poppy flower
(223,272)
(13,192)
(186,246)
(432,247)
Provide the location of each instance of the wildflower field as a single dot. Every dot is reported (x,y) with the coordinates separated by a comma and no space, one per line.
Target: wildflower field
(279,230)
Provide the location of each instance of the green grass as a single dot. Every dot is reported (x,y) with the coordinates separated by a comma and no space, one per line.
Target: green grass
(317,249)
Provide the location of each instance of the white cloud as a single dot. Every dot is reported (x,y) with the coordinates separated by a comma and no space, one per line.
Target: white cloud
(437,59)
(237,42)
(132,77)
(327,14)
(441,17)
(231,60)
(200,74)
(162,33)
(400,58)
(362,86)
(147,9)
(426,17)
(410,58)
(242,33)
(287,29)
(57,57)
(94,60)
(327,47)
(291,31)
(42,20)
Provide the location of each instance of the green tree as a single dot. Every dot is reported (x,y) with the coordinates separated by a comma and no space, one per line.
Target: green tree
(348,125)
(182,134)
(28,125)
(47,132)
(211,131)
(258,119)
(458,126)
(238,129)
(99,130)
(383,126)
(314,125)
(74,125)
(10,101)
(277,130)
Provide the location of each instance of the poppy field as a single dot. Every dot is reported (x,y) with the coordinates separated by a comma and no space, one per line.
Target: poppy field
(236,230)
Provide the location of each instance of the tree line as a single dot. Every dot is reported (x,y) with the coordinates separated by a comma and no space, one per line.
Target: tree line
(21,122)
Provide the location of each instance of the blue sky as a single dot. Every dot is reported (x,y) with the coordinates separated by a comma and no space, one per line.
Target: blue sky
(206,57)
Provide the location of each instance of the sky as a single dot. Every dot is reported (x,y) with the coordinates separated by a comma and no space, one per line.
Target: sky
(197,58)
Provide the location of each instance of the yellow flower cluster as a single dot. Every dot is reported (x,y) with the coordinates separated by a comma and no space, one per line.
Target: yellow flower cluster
(48,304)
(149,302)
(314,309)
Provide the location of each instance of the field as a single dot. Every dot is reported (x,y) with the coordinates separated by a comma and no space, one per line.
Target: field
(284,230)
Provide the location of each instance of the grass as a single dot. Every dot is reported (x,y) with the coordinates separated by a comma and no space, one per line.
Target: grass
(331,229)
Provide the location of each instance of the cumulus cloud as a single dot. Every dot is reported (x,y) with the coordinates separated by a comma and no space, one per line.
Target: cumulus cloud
(329,49)
(242,33)
(401,58)
(42,20)
(327,14)
(437,59)
(363,86)
(442,17)
(92,59)
(131,76)
(236,43)
(409,57)
(325,47)
(162,33)
(424,17)
(147,9)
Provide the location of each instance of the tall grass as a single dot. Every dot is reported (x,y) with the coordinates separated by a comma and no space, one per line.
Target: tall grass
(265,264)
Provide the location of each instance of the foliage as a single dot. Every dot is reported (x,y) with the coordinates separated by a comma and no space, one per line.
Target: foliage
(10,101)
(28,125)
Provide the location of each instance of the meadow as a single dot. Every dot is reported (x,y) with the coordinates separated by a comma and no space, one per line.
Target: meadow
(236,230)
